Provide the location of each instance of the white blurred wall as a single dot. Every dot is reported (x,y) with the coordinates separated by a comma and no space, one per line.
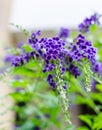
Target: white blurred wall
(51,14)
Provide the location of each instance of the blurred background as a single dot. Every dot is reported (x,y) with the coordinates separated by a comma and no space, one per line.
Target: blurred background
(48,16)
(52,14)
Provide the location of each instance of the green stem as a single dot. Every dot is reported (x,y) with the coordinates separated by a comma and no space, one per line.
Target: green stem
(87,75)
(63,96)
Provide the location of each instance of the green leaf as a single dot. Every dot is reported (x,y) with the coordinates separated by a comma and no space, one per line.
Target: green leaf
(99,87)
(83,100)
(97,125)
(83,128)
(86,119)
(19,83)
(21,96)
(96,96)
(23,71)
(93,28)
(27,48)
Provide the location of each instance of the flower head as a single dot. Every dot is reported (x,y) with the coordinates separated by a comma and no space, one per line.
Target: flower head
(8,58)
(82,49)
(24,58)
(85,25)
(64,33)
(74,70)
(51,50)
(50,80)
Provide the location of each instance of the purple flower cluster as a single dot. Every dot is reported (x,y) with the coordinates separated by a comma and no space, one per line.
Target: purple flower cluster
(74,70)
(53,51)
(33,40)
(50,80)
(85,25)
(50,49)
(82,49)
(97,68)
(64,33)
(24,58)
(8,58)
(56,55)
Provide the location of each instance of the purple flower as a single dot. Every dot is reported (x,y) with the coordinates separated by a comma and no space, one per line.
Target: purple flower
(79,50)
(82,49)
(97,68)
(24,58)
(93,85)
(50,80)
(51,50)
(17,61)
(85,25)
(64,33)
(65,87)
(74,70)
(34,39)
(95,18)
(8,58)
